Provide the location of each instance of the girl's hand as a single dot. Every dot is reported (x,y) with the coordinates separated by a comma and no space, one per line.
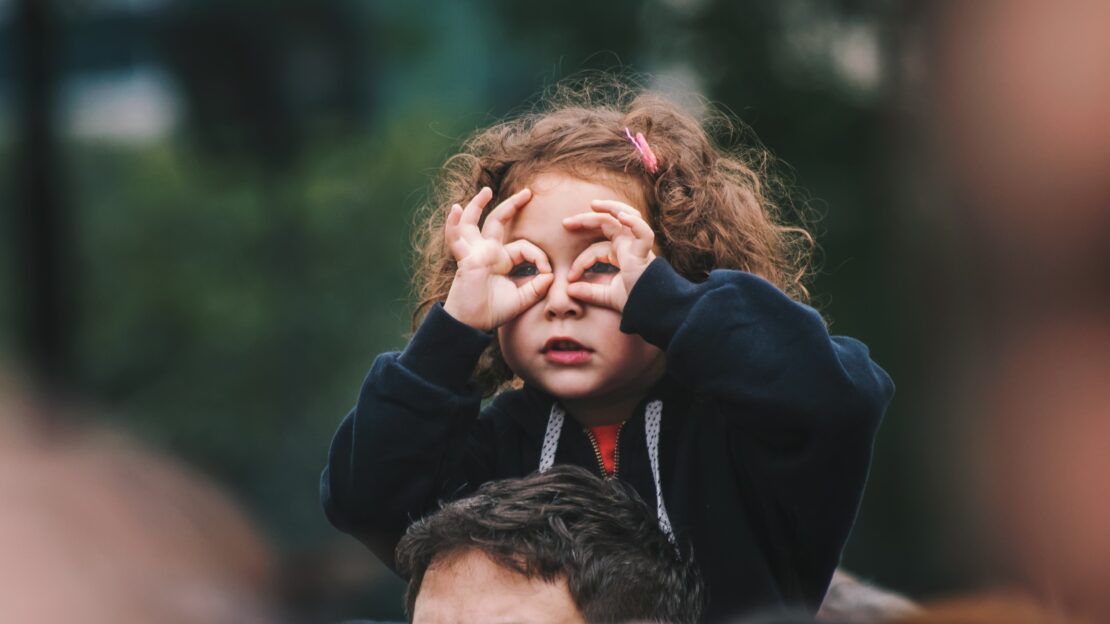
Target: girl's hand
(629,249)
(485,293)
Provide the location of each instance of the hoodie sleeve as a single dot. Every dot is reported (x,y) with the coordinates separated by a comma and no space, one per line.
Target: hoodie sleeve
(416,411)
(800,407)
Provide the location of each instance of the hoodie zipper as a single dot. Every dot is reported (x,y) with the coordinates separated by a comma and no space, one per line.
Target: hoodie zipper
(597,452)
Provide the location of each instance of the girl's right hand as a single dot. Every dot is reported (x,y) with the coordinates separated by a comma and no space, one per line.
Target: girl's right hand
(486,294)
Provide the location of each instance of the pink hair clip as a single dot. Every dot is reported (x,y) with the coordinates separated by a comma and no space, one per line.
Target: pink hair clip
(651,163)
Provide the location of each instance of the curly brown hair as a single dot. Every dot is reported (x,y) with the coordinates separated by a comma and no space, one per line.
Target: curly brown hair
(711,206)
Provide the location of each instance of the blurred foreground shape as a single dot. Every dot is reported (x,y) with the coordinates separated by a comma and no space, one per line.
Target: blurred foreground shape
(1021,95)
(96,528)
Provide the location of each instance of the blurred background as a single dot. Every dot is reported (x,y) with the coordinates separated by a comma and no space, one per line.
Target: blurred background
(207,208)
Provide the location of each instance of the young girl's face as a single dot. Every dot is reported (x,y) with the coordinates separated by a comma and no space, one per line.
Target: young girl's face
(568,348)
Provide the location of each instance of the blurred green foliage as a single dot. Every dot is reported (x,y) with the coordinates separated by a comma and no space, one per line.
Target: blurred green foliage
(228,311)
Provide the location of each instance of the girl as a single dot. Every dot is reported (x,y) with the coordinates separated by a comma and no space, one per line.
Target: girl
(622,288)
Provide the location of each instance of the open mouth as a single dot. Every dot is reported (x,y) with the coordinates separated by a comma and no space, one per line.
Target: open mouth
(562,351)
(564,344)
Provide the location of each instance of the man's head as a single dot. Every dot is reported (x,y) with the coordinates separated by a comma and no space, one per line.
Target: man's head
(564,545)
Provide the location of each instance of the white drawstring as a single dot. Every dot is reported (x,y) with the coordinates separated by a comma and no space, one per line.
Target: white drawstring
(653,416)
(551,437)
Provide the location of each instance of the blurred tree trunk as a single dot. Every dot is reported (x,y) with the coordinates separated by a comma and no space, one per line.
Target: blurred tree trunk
(40,249)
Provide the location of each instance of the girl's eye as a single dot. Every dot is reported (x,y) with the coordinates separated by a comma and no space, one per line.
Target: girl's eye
(602,267)
(524,269)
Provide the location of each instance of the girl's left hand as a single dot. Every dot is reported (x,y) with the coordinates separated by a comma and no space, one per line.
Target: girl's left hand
(629,248)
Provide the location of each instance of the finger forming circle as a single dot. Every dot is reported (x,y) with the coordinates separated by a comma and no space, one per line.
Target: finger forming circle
(499,217)
(602,250)
(526,251)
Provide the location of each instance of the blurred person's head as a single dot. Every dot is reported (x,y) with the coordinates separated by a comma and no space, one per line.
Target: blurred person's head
(96,528)
(563,544)
(1019,99)
(1018,107)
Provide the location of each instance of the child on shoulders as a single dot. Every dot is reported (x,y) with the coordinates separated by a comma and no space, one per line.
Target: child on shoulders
(626,292)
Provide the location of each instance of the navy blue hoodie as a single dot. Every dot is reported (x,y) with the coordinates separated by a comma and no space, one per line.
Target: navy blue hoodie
(766,435)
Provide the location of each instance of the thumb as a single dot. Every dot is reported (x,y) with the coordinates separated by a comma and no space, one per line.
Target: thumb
(596,294)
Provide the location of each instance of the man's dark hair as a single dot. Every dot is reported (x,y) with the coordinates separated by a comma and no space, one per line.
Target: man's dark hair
(567,524)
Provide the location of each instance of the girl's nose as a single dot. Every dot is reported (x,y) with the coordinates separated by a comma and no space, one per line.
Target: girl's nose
(557,303)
